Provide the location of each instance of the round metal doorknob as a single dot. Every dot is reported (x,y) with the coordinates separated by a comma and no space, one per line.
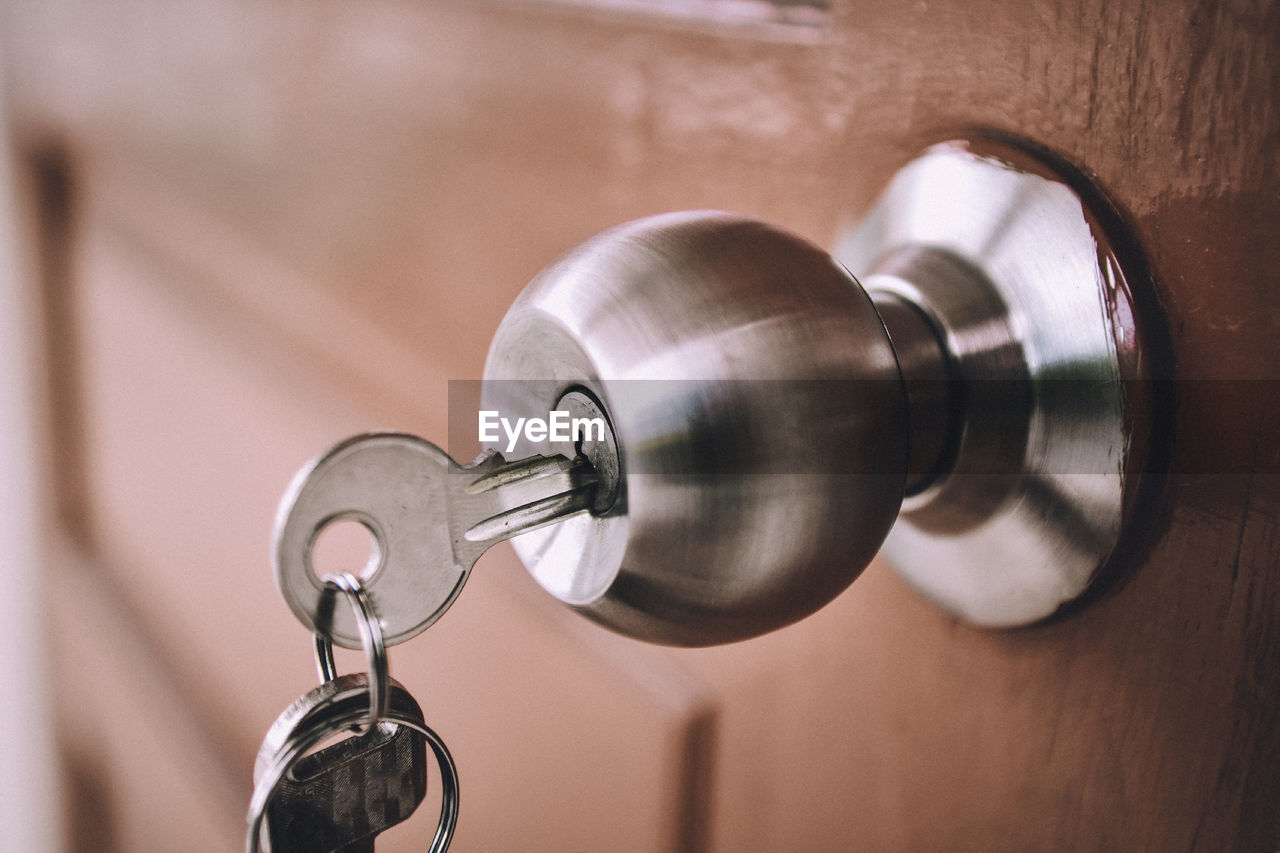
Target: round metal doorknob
(758,412)
(771,418)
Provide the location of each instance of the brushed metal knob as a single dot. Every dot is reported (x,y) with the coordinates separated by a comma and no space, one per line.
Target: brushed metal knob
(773,418)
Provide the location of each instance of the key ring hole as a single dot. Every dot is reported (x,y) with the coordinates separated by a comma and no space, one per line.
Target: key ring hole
(343,542)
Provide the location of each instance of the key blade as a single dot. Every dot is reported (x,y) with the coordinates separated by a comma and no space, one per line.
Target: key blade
(491,471)
(529,517)
(522,495)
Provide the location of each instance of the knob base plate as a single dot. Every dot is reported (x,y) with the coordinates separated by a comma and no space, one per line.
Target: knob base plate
(1036,318)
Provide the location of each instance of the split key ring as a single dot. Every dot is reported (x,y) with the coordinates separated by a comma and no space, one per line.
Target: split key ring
(370,628)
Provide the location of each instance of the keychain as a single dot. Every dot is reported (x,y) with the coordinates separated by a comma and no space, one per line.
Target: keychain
(430,519)
(342,796)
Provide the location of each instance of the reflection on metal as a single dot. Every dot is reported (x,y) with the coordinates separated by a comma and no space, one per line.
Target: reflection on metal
(759,419)
(771,417)
(1006,265)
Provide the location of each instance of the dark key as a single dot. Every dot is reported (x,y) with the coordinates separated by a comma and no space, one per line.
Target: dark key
(340,797)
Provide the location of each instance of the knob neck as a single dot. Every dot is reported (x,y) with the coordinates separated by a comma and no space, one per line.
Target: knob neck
(933,401)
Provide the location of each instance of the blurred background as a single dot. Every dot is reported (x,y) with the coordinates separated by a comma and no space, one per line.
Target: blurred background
(232,233)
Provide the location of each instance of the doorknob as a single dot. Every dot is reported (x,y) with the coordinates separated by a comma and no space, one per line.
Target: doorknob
(974,402)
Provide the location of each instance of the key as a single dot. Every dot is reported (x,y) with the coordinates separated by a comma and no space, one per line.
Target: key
(340,797)
(430,520)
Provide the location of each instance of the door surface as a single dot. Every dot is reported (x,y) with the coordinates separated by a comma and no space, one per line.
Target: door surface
(256,228)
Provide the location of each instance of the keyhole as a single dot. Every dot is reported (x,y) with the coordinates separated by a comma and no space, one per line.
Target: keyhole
(346,545)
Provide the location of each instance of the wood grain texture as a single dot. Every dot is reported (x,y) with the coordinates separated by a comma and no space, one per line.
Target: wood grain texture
(387,176)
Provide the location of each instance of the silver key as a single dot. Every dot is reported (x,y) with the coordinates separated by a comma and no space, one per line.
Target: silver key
(430,520)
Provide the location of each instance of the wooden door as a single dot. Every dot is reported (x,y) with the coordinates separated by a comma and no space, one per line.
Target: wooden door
(259,227)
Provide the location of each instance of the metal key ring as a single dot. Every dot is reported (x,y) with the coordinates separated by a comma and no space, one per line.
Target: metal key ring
(375,649)
(294,749)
